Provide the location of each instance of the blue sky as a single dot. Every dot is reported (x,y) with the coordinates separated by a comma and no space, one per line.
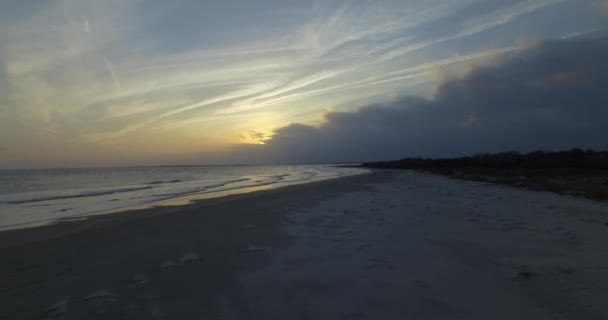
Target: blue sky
(125,82)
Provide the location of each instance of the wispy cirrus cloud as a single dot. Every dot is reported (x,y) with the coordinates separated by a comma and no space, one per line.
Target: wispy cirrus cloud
(473,27)
(247,91)
(253,103)
(479,25)
(116,73)
(416,72)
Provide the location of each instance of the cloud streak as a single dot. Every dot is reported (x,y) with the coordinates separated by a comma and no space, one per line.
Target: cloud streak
(112,71)
(129,74)
(476,26)
(250,104)
(228,96)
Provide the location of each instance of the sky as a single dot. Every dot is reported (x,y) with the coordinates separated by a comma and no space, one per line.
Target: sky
(133,82)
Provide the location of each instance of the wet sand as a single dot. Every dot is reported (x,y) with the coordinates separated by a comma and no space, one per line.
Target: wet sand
(404,245)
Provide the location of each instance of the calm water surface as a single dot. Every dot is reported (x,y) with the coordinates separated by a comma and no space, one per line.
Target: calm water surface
(30,197)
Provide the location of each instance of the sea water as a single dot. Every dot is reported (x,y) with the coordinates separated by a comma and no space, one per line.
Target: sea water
(34,197)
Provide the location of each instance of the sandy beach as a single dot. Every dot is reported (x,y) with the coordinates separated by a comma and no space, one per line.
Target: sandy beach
(387,245)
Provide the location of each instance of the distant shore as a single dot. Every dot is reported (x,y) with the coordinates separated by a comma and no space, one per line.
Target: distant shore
(574,172)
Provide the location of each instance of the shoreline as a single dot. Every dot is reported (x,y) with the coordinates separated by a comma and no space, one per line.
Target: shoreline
(376,246)
(86,266)
(181,200)
(61,227)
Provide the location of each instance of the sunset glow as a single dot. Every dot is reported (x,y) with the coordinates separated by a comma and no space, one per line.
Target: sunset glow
(89,83)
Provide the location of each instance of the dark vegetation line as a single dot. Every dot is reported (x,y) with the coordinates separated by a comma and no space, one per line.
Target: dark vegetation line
(574,172)
(575,158)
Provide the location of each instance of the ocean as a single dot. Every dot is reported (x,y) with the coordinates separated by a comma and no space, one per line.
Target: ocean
(37,197)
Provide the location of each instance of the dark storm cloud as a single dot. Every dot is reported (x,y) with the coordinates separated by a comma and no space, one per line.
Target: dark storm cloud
(551,95)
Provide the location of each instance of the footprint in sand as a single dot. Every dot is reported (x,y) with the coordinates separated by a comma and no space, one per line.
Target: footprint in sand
(139,280)
(155,311)
(100,295)
(253,249)
(168,264)
(58,308)
(187,257)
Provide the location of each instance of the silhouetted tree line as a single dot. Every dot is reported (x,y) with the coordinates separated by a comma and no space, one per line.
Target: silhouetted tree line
(575,158)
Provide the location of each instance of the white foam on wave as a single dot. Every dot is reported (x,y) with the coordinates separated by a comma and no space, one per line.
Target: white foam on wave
(23,210)
(37,197)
